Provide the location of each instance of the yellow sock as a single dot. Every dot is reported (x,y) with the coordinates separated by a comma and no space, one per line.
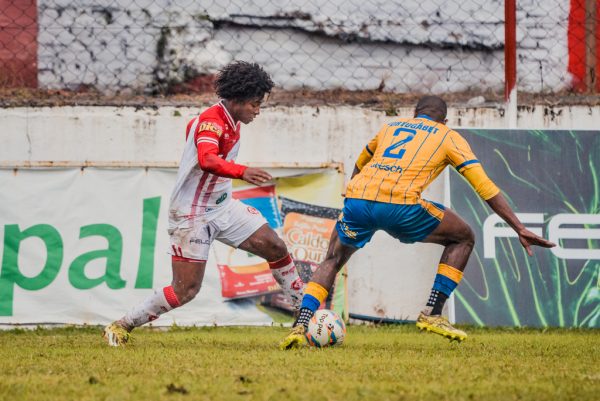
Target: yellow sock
(316,290)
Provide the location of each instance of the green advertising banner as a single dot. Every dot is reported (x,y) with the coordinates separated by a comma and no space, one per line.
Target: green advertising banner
(550,178)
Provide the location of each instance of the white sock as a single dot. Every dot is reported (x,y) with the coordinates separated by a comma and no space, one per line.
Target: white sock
(160,302)
(285,273)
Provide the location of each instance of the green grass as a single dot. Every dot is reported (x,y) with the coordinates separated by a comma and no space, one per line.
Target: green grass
(239,363)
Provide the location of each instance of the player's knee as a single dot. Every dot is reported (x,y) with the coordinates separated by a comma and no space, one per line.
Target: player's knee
(468,237)
(278,248)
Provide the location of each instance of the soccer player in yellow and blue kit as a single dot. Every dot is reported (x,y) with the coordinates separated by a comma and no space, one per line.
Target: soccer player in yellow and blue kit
(385,194)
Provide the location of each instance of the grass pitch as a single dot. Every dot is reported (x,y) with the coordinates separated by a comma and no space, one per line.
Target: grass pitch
(240,363)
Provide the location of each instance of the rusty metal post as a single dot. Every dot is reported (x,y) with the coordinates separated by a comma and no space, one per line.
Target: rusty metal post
(591,13)
(510,61)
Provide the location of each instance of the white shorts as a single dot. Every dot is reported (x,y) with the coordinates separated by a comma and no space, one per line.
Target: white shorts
(191,238)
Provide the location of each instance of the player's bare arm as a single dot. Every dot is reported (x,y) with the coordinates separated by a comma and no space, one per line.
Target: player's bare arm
(472,170)
(499,205)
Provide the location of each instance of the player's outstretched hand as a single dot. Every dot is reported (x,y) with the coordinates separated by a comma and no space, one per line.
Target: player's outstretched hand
(256,176)
(527,239)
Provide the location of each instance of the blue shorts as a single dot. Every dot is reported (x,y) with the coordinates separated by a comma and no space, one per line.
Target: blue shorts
(409,223)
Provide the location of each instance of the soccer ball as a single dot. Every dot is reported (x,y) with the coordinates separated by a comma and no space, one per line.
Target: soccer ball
(325,328)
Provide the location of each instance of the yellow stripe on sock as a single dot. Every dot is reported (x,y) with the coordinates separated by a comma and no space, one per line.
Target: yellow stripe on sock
(316,290)
(451,272)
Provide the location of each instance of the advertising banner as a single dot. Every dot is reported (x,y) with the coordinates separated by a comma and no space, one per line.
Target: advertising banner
(306,231)
(82,246)
(243,274)
(550,178)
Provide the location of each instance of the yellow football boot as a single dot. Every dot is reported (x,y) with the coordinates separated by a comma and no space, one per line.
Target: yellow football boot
(439,325)
(295,339)
(116,335)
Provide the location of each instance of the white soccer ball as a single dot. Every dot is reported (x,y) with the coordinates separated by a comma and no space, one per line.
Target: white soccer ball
(325,328)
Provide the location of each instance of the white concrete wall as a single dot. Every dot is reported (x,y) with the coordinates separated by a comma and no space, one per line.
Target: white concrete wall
(386,279)
(407,46)
(280,135)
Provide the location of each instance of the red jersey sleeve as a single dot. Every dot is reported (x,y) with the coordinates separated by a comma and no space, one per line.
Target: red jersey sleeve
(207,138)
(208,131)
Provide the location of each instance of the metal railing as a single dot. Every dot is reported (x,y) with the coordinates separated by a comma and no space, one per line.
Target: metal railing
(155,47)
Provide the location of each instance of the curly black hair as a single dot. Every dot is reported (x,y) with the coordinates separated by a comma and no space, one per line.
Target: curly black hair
(242,81)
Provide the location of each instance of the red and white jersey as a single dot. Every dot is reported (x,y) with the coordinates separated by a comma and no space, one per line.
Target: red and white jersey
(198,192)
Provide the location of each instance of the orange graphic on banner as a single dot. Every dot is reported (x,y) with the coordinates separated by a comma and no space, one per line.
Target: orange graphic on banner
(307,237)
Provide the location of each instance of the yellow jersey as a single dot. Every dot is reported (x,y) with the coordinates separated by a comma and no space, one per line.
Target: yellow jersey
(406,155)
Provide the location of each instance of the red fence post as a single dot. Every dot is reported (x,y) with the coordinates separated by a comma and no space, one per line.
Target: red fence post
(510,61)
(591,37)
(597,40)
(18,43)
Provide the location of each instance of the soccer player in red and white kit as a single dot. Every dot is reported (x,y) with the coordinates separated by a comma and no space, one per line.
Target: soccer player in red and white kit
(202,209)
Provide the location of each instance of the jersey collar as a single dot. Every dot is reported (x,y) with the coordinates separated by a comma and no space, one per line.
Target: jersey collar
(229,117)
(425,116)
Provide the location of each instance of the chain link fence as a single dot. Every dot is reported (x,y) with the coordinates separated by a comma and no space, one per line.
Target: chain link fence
(175,46)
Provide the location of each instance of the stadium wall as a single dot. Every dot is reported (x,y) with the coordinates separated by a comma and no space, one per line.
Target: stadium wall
(303,136)
(298,137)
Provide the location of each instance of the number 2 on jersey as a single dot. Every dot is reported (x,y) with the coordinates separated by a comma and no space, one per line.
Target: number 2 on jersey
(389,151)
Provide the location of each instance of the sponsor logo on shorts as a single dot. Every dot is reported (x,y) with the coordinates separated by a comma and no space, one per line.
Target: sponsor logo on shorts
(347,231)
(199,241)
(387,167)
(252,210)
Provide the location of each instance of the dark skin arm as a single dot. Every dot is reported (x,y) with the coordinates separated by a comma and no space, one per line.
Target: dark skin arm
(499,205)
(256,176)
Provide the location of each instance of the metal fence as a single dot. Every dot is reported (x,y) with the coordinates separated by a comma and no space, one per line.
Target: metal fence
(410,46)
